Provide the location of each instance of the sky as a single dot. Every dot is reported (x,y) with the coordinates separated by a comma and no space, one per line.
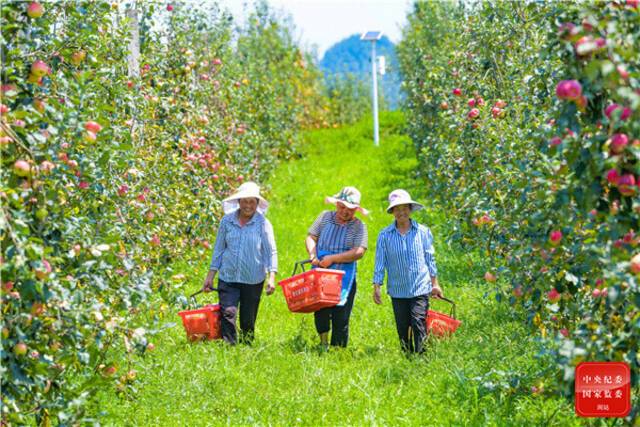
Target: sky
(321,23)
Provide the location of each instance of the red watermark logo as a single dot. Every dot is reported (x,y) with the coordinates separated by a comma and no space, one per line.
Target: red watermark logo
(603,389)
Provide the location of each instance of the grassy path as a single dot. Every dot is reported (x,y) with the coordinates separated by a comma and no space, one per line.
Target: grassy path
(480,376)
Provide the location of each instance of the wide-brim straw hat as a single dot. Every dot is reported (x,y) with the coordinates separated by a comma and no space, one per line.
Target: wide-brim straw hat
(245,191)
(401,197)
(350,197)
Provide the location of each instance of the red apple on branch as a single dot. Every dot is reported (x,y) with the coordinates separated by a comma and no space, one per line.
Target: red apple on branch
(569,90)
(78,56)
(635,264)
(35,10)
(625,111)
(20,349)
(627,185)
(39,69)
(553,296)
(613,177)
(90,137)
(618,143)
(45,271)
(22,168)
(92,126)
(555,237)
(489,277)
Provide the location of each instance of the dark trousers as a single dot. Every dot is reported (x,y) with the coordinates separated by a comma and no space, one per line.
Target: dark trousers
(248,298)
(410,316)
(336,319)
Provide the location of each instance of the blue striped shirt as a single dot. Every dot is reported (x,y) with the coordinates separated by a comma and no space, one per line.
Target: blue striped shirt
(408,260)
(336,237)
(244,254)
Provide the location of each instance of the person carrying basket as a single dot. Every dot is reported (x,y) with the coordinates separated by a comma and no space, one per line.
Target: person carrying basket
(405,251)
(245,250)
(337,240)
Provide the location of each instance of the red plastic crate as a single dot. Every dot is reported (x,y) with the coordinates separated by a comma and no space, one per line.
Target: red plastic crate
(312,290)
(440,324)
(202,323)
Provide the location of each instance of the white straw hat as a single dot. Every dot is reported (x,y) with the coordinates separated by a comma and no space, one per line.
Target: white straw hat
(350,197)
(245,191)
(401,197)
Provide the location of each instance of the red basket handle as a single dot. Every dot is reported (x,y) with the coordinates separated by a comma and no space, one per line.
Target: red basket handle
(452,313)
(301,265)
(201,291)
(192,298)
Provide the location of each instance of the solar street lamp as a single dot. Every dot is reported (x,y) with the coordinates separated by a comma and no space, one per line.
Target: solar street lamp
(373,37)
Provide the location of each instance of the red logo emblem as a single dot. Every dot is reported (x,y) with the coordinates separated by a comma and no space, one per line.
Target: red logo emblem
(603,389)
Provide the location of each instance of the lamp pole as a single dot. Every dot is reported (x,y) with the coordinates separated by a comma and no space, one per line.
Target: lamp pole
(373,36)
(374,75)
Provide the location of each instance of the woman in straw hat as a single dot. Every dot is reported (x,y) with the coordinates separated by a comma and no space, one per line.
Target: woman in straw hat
(244,252)
(337,239)
(405,251)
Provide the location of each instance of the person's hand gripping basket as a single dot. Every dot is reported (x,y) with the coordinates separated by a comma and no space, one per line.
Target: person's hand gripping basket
(313,289)
(202,323)
(441,325)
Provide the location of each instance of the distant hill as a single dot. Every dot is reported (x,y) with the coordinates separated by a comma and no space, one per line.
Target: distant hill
(352,55)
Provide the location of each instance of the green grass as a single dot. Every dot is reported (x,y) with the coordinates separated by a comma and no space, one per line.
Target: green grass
(284,379)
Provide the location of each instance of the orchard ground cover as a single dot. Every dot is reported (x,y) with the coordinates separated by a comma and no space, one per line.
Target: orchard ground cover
(492,371)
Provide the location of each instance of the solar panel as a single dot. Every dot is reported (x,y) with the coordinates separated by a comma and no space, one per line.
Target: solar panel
(371,35)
